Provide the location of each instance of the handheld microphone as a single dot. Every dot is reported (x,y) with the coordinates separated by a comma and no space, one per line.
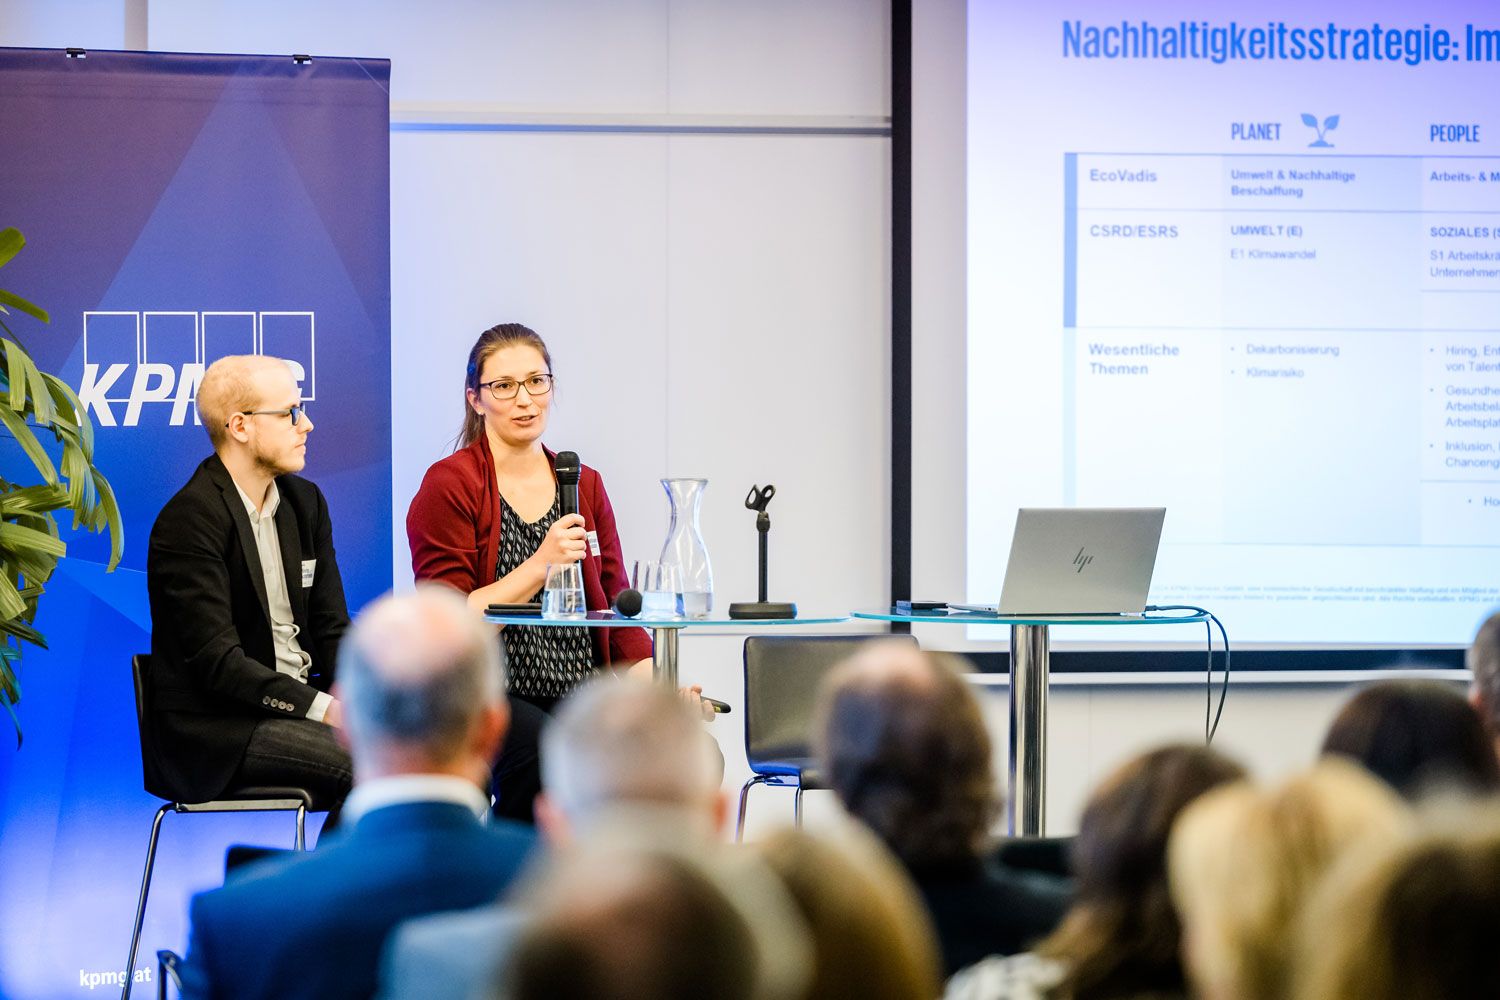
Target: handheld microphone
(628,603)
(568,469)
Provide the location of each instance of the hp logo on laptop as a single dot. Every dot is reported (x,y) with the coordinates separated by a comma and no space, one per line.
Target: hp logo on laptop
(1081,560)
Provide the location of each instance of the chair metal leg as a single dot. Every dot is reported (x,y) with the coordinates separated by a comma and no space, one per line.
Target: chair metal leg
(168,968)
(739,826)
(797,805)
(301,843)
(140,906)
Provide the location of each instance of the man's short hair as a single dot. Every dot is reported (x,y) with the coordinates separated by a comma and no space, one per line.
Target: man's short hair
(634,925)
(417,669)
(904,746)
(626,742)
(227,388)
(1484,661)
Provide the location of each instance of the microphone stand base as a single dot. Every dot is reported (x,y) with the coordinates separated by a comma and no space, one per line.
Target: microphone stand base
(762,609)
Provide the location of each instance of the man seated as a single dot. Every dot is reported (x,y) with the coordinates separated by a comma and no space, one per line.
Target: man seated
(617,745)
(247,607)
(903,745)
(425,714)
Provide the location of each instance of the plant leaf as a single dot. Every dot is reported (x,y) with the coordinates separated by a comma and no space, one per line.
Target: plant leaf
(21,630)
(32,500)
(116,525)
(16,302)
(19,538)
(11,242)
(25,378)
(1309,120)
(29,444)
(12,605)
(1330,123)
(65,398)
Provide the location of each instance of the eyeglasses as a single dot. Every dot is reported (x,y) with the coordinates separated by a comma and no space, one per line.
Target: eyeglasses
(295,412)
(508,388)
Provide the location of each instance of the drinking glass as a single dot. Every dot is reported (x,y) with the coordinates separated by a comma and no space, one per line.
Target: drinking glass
(658,585)
(562,597)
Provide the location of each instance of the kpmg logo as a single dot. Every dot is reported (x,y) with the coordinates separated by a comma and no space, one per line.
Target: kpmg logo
(131,359)
(1081,560)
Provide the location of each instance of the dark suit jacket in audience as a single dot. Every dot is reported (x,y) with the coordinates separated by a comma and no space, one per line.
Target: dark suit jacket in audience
(314,926)
(979,909)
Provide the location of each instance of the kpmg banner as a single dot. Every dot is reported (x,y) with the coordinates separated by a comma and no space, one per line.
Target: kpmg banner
(177,208)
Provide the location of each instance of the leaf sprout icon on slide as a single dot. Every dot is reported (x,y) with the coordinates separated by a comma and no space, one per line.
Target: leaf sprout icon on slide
(1329,124)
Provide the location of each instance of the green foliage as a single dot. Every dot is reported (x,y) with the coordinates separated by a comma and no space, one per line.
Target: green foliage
(33,403)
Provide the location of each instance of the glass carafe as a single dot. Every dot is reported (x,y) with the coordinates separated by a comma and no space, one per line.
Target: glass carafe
(685,549)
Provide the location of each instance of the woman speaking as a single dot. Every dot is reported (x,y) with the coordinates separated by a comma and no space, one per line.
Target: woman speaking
(487,521)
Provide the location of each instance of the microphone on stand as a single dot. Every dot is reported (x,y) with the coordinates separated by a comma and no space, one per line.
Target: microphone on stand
(568,468)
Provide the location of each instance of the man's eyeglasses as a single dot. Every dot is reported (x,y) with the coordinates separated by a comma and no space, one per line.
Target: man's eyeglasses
(295,412)
(508,388)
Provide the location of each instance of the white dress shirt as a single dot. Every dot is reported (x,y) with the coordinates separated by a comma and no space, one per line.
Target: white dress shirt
(290,657)
(403,788)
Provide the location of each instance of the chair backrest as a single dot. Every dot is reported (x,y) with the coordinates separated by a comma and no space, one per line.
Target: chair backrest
(151,776)
(782,677)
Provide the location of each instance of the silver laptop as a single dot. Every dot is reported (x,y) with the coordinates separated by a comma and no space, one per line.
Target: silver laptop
(1081,561)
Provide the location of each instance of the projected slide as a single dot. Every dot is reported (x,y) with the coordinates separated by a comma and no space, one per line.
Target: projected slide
(1243,261)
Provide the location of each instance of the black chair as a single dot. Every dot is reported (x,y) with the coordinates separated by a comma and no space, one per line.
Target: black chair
(782,677)
(259,799)
(1047,855)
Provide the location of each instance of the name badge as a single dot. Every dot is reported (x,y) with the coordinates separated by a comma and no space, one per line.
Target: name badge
(593,537)
(309,568)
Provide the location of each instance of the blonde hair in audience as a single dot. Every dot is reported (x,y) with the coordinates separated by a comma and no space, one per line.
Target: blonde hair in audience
(1413,923)
(1244,860)
(872,938)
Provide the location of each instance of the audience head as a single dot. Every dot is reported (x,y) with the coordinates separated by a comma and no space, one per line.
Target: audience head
(622,743)
(630,916)
(231,397)
(902,743)
(872,938)
(1413,923)
(530,353)
(639,927)
(1122,937)
(1417,736)
(423,688)
(1244,860)
(1484,663)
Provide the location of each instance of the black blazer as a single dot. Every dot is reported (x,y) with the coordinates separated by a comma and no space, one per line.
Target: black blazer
(213,673)
(979,909)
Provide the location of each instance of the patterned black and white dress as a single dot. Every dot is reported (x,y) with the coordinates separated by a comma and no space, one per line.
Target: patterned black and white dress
(541,663)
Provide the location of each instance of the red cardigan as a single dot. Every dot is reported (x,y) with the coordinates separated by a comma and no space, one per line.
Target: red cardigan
(453,527)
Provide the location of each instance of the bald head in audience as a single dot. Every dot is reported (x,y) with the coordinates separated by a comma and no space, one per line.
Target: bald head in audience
(423,687)
(623,743)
